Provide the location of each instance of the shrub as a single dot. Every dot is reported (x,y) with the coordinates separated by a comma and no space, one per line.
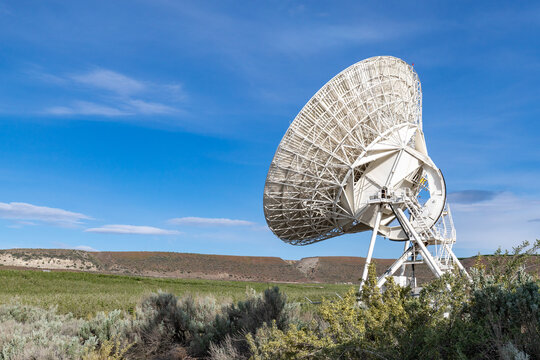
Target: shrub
(115,349)
(342,329)
(245,317)
(495,316)
(33,333)
(106,326)
(507,312)
(166,323)
(225,351)
(197,327)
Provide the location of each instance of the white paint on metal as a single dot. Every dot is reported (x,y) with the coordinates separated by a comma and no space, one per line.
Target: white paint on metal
(355,146)
(371,246)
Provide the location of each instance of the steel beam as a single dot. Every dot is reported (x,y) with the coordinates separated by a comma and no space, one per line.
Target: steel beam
(371,244)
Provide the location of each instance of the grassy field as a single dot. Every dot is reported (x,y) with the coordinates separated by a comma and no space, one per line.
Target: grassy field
(83,294)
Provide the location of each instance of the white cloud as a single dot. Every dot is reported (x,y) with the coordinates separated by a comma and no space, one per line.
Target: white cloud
(85,248)
(131,230)
(112,94)
(20,224)
(111,81)
(319,38)
(62,245)
(24,211)
(198,221)
(504,220)
(86,108)
(148,108)
(124,108)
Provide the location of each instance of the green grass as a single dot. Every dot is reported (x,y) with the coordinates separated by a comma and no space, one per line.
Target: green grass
(83,294)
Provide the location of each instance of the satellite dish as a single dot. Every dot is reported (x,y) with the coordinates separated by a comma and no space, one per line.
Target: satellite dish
(355,159)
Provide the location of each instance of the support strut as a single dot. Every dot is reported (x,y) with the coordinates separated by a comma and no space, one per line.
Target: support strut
(416,244)
(371,244)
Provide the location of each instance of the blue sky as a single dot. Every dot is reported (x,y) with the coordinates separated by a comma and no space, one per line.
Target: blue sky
(150,125)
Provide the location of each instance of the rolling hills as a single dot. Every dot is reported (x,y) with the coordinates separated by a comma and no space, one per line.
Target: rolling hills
(324,269)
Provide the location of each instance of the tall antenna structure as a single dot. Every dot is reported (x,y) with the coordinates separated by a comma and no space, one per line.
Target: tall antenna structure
(355,159)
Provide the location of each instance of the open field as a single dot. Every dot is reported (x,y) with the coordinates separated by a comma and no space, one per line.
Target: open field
(319,269)
(84,283)
(83,294)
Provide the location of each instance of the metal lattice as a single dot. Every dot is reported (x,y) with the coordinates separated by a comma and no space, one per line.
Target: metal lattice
(358,107)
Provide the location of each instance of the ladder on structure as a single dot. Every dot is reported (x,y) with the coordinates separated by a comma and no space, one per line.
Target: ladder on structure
(439,237)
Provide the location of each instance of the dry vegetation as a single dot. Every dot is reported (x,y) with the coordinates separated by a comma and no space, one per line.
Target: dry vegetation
(324,269)
(495,316)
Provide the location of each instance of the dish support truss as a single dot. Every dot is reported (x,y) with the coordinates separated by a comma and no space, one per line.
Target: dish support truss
(440,238)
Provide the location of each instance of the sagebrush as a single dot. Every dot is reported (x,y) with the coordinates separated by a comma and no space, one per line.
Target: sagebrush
(494,316)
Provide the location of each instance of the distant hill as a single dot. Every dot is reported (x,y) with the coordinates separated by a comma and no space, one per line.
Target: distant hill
(324,269)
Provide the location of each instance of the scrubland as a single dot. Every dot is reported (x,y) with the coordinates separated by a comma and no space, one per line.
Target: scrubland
(496,315)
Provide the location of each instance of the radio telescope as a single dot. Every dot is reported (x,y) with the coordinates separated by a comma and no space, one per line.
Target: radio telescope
(355,159)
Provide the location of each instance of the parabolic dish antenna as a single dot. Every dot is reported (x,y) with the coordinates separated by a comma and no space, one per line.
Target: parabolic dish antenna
(354,159)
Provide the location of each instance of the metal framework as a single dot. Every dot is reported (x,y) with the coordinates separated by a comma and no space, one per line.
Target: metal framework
(441,236)
(354,159)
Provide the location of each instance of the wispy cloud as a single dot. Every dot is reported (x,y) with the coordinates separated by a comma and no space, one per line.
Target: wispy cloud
(471,196)
(199,221)
(112,94)
(87,108)
(503,220)
(320,37)
(111,81)
(148,108)
(131,230)
(292,35)
(21,223)
(534,220)
(85,248)
(29,212)
(62,245)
